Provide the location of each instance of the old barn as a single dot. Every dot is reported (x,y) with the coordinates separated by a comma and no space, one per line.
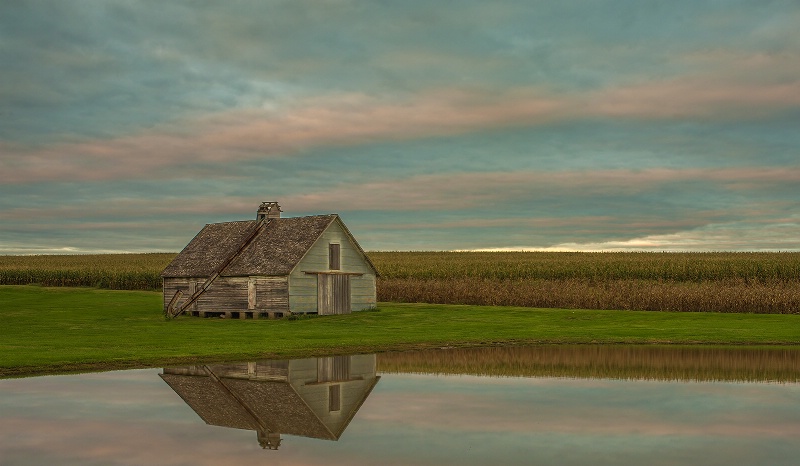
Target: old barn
(270,267)
(314,398)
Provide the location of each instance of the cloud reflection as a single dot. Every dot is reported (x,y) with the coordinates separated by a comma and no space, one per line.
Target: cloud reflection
(134,418)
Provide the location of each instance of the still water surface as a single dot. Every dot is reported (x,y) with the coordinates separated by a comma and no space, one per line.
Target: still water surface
(526,405)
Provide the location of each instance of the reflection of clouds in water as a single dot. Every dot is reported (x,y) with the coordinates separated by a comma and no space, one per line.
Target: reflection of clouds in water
(98,396)
(586,406)
(134,418)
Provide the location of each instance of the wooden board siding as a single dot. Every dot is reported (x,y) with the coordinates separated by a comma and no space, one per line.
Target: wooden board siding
(272,293)
(226,294)
(333,369)
(171,285)
(231,294)
(333,294)
(362,292)
(251,294)
(303,287)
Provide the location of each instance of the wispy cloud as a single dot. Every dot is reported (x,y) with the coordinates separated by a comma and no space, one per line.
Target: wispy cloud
(228,137)
(471,190)
(503,124)
(735,236)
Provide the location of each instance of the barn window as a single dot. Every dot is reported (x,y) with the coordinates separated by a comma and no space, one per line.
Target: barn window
(334,398)
(333,256)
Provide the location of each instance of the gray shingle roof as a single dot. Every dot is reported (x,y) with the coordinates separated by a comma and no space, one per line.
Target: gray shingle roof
(210,401)
(209,249)
(274,403)
(280,246)
(277,248)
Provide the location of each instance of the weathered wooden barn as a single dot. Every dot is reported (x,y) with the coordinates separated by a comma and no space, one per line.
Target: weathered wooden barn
(315,398)
(270,267)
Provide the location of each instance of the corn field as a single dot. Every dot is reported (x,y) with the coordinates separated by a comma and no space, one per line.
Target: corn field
(596,266)
(112,271)
(603,361)
(716,282)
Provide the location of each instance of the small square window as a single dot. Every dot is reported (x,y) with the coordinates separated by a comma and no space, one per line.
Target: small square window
(334,398)
(333,256)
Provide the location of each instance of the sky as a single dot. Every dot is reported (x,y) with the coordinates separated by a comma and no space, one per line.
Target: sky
(125,126)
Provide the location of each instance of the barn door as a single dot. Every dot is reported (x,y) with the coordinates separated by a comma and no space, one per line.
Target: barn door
(333,369)
(333,294)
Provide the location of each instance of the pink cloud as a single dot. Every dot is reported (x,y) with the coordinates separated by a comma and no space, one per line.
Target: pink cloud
(176,149)
(725,84)
(433,411)
(465,190)
(694,97)
(769,234)
(442,192)
(72,441)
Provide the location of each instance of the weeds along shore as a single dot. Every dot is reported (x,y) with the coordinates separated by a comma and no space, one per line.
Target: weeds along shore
(755,282)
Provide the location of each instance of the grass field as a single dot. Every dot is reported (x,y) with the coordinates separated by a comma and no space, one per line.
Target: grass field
(51,330)
(710,282)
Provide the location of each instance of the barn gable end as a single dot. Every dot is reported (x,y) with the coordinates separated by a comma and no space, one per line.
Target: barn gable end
(353,262)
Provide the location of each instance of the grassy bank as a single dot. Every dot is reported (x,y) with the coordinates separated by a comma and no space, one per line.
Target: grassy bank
(50,330)
(766,283)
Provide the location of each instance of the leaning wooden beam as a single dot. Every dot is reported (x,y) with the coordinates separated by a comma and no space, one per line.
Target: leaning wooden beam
(173,302)
(256,421)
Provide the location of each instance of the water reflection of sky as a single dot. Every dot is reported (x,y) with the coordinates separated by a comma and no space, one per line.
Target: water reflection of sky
(133,417)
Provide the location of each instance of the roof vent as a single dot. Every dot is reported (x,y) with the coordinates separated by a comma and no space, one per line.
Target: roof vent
(268,210)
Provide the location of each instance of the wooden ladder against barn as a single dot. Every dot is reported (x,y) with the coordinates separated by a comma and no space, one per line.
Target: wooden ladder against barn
(173,310)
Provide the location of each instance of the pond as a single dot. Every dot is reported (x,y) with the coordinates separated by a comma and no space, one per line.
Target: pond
(514,405)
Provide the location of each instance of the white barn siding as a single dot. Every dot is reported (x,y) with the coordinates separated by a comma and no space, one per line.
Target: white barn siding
(303,376)
(303,286)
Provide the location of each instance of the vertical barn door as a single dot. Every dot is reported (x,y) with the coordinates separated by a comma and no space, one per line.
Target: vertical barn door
(333,369)
(333,294)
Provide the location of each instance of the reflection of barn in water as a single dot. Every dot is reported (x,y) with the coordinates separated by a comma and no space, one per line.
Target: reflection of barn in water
(314,398)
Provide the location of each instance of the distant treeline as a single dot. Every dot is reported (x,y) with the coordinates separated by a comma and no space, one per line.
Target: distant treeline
(716,282)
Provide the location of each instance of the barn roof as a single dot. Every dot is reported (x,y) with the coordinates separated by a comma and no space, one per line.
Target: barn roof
(209,249)
(280,246)
(247,404)
(274,251)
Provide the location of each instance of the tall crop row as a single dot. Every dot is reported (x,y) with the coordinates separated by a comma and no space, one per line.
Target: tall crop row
(719,282)
(696,267)
(112,271)
(729,295)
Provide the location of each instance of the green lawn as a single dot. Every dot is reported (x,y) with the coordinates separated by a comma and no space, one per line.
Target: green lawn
(51,330)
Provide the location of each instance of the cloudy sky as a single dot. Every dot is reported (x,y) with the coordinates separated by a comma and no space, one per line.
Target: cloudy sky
(579,125)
